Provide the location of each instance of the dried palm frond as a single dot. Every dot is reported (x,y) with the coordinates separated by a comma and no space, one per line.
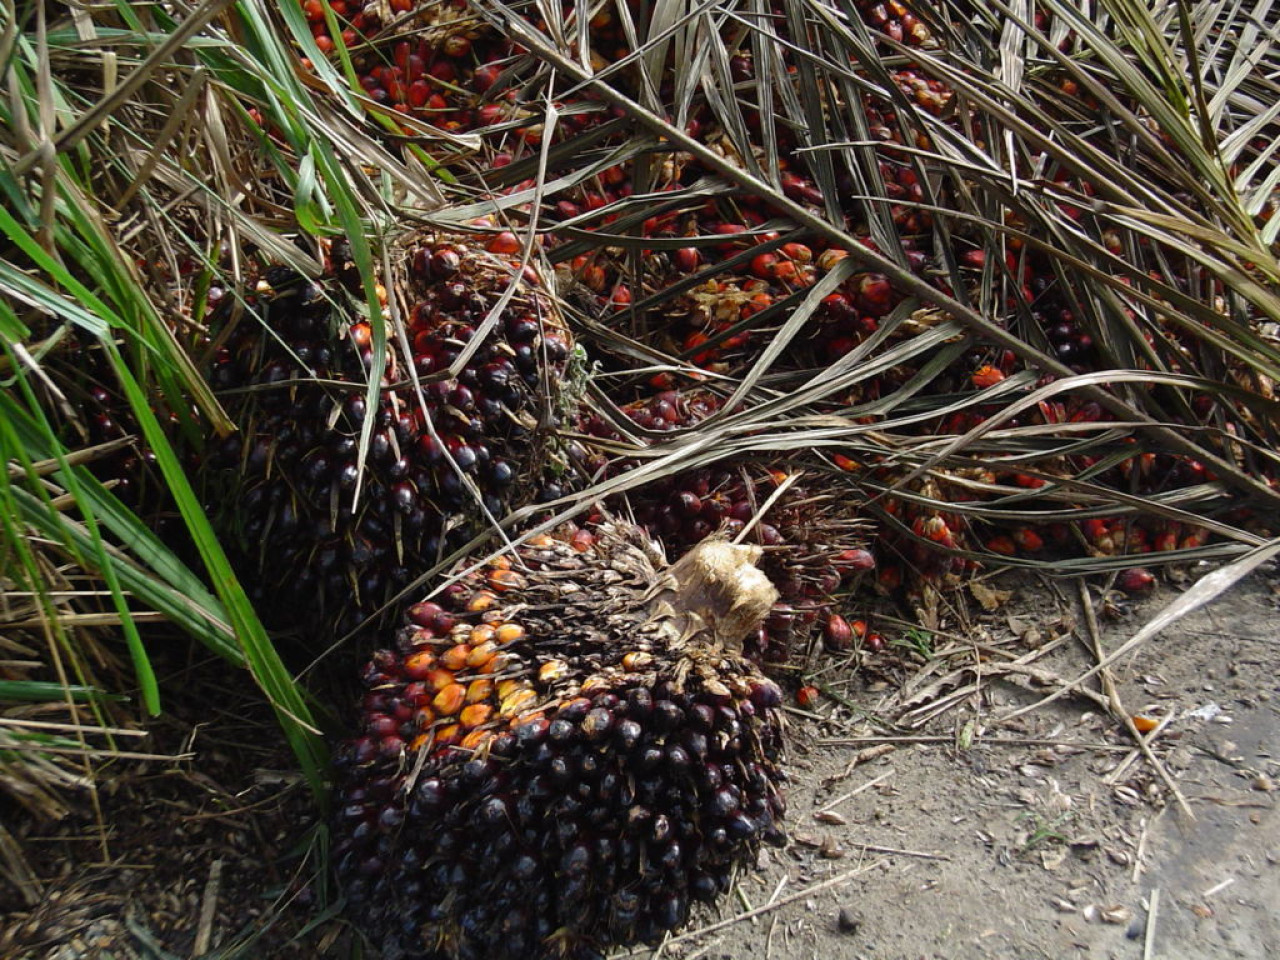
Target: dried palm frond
(1082,267)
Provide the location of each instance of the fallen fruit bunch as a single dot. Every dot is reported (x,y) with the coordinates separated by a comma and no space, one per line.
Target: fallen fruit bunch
(563,754)
(336,503)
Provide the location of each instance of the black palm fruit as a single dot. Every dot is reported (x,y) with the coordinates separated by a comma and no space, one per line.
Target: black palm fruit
(562,754)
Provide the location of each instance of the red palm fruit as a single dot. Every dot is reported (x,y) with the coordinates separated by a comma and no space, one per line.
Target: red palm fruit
(986,376)
(1095,529)
(418,93)
(731,230)
(797,252)
(837,634)
(625,763)
(1028,540)
(875,295)
(687,259)
(934,529)
(1002,544)
(485,77)
(889,579)
(808,697)
(801,189)
(504,243)
(855,560)
(830,257)
(593,276)
(1196,537)
(786,272)
(1135,581)
(417,666)
(764,265)
(456,47)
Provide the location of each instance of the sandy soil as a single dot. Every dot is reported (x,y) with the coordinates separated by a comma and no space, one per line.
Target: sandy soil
(924,822)
(1047,835)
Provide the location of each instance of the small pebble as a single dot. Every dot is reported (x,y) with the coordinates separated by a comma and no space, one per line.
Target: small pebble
(848,920)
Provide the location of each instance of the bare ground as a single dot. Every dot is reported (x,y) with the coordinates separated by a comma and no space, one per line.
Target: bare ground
(1048,835)
(924,823)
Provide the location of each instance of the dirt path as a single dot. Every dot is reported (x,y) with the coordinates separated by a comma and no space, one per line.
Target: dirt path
(1046,837)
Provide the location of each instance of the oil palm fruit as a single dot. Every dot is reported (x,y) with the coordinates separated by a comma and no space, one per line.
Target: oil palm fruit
(457,432)
(98,416)
(563,752)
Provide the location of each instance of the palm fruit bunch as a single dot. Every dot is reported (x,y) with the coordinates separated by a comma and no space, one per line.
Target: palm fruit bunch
(458,433)
(562,753)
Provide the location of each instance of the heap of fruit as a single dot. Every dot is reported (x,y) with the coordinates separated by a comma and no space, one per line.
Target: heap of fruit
(708,278)
(568,747)
(459,430)
(505,736)
(563,753)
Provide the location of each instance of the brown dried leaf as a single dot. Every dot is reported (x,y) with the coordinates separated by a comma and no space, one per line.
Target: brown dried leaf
(990,599)
(1116,914)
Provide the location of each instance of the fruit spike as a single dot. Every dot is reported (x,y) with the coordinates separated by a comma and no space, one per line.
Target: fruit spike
(563,753)
(814,546)
(468,442)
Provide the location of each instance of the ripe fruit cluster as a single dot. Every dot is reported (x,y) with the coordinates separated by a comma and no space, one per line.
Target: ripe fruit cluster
(466,444)
(563,753)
